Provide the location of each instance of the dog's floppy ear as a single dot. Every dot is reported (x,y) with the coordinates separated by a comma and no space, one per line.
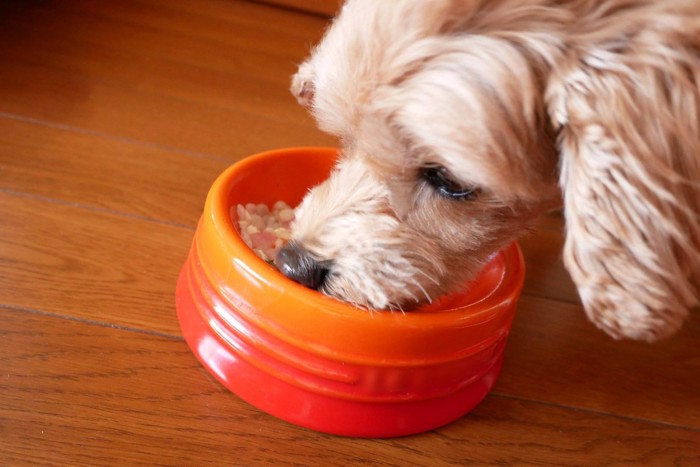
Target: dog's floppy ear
(629,141)
(303,86)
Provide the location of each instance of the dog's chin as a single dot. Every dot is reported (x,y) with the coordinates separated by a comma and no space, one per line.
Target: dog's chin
(400,284)
(404,293)
(374,297)
(385,280)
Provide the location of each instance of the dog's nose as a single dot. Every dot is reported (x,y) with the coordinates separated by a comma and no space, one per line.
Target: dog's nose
(299,265)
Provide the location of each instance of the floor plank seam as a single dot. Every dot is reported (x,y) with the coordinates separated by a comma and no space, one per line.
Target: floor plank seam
(551,299)
(597,412)
(136,330)
(213,42)
(91,322)
(289,8)
(111,137)
(91,208)
(120,84)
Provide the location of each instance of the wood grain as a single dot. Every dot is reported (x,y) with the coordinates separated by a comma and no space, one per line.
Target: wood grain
(49,95)
(66,44)
(129,178)
(82,181)
(545,273)
(69,65)
(115,117)
(324,8)
(117,176)
(90,265)
(554,354)
(92,388)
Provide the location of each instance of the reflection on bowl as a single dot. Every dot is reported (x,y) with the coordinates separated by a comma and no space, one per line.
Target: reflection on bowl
(320,363)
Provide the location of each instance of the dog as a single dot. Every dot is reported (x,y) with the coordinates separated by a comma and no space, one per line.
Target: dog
(462,121)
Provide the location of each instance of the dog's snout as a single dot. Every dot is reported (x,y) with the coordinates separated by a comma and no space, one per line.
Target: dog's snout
(299,265)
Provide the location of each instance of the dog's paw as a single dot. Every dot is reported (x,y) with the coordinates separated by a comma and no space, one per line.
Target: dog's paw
(303,85)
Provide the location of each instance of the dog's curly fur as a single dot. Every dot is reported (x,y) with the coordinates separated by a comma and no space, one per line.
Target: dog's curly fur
(524,104)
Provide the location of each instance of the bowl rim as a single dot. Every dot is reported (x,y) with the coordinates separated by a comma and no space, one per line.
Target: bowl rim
(217,206)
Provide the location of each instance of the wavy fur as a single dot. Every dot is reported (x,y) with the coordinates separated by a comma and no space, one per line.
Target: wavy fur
(528,102)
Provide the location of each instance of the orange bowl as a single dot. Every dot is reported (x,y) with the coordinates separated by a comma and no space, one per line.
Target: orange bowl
(320,363)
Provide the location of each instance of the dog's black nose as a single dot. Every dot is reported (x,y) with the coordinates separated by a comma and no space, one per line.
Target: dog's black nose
(299,265)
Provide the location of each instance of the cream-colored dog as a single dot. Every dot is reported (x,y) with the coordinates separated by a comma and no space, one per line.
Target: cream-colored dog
(463,120)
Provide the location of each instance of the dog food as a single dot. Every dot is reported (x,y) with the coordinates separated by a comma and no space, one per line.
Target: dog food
(265,230)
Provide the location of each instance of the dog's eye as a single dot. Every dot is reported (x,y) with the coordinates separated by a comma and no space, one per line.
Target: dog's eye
(440,179)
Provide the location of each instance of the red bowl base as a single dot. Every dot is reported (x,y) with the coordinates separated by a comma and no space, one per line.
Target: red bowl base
(320,412)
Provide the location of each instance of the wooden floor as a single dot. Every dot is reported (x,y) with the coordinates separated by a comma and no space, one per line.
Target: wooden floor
(115,117)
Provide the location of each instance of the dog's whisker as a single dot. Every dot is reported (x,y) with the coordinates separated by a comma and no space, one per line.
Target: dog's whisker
(428,276)
(422,289)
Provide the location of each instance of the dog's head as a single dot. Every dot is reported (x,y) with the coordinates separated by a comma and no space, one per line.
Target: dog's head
(440,167)
(448,118)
